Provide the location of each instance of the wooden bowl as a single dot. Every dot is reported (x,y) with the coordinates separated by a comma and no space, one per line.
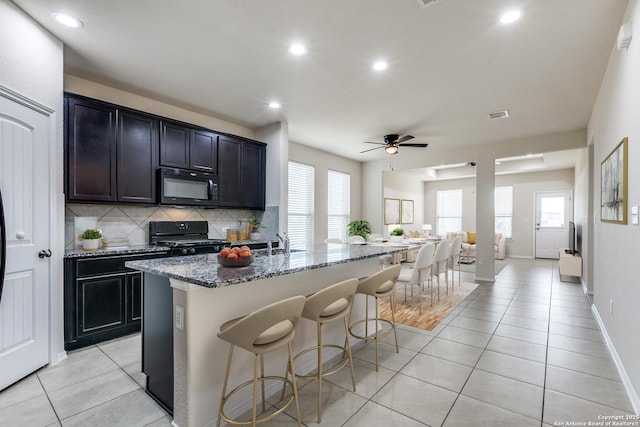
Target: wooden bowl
(237,262)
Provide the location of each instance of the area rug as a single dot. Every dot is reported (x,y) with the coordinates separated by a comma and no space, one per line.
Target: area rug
(408,313)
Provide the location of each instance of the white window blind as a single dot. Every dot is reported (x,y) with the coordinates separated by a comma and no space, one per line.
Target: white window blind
(338,204)
(300,215)
(503,205)
(448,211)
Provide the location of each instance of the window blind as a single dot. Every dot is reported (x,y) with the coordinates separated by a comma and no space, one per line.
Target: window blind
(338,204)
(300,207)
(503,205)
(448,211)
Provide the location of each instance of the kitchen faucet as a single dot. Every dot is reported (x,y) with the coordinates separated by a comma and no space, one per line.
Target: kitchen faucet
(285,242)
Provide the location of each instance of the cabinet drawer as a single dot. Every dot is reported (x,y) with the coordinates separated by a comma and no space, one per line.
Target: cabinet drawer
(109,265)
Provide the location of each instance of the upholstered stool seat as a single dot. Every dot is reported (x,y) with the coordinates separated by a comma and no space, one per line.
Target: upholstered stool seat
(262,332)
(326,306)
(378,285)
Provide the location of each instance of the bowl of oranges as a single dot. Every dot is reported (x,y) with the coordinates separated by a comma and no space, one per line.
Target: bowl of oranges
(236,257)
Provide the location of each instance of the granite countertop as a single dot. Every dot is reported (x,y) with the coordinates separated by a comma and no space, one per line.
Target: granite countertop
(204,270)
(123,250)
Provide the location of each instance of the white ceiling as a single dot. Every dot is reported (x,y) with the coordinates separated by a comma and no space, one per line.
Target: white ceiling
(450,63)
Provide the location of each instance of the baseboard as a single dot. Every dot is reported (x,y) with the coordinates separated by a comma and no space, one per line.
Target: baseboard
(59,358)
(520,257)
(631,392)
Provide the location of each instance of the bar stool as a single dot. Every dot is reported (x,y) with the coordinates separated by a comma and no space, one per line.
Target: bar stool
(378,285)
(261,332)
(326,306)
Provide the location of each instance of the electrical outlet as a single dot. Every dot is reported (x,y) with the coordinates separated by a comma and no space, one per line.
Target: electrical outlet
(611,306)
(179,317)
(481,261)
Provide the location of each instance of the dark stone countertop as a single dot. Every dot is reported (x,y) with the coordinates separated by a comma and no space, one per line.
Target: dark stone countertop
(125,250)
(204,270)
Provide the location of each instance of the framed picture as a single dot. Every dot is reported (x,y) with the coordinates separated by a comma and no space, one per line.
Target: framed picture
(406,211)
(613,185)
(392,211)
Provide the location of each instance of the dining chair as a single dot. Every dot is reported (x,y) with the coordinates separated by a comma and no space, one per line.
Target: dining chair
(418,274)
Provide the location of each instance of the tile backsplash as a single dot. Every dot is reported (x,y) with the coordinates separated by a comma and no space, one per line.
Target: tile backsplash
(132,222)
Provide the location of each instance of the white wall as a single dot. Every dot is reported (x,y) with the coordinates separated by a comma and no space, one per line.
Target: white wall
(397,186)
(616,267)
(31,64)
(322,162)
(525,185)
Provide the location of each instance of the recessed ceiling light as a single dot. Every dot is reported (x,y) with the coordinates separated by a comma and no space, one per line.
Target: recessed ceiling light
(297,49)
(274,104)
(380,65)
(509,17)
(67,20)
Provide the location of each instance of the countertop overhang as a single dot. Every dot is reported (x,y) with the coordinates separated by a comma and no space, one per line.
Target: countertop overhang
(204,270)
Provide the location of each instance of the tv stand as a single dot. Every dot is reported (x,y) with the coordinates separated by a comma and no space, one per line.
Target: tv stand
(568,264)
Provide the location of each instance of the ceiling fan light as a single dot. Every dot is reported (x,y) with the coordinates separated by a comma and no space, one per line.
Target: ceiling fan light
(391,149)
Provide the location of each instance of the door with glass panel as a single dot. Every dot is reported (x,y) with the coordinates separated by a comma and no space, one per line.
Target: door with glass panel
(553,213)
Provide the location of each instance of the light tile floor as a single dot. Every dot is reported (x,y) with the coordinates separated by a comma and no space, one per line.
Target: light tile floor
(524,351)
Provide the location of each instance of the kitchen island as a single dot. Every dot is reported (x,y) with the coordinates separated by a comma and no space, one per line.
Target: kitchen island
(203,295)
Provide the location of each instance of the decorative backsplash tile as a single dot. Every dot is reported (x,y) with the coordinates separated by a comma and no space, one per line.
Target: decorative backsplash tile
(132,222)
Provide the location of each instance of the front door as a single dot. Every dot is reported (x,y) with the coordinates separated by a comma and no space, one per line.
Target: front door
(553,213)
(25,187)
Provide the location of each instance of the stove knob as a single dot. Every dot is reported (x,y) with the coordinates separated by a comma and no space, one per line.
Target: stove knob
(192,250)
(183,251)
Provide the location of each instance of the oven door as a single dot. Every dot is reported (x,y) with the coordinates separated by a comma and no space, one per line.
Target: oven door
(187,187)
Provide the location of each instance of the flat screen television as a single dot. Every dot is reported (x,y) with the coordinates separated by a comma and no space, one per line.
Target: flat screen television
(572,238)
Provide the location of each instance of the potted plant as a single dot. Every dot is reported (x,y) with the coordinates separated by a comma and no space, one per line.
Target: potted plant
(397,235)
(359,228)
(91,239)
(255,225)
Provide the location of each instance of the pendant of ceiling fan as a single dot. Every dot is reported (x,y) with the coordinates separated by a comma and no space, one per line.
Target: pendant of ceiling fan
(392,142)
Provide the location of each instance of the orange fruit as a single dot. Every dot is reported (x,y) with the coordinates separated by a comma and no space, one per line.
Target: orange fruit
(236,250)
(245,253)
(225,252)
(244,248)
(232,256)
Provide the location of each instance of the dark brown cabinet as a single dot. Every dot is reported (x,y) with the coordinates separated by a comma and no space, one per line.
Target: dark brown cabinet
(137,155)
(230,172)
(102,298)
(91,151)
(241,166)
(174,144)
(203,151)
(111,153)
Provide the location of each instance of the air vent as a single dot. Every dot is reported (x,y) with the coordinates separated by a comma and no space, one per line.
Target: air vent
(425,3)
(499,115)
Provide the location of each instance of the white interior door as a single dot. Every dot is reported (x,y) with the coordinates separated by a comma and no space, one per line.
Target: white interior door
(553,213)
(24,182)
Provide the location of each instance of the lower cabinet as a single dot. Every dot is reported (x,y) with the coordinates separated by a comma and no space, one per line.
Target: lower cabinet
(103,299)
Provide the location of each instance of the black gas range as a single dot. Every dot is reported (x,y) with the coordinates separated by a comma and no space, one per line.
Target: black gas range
(184,237)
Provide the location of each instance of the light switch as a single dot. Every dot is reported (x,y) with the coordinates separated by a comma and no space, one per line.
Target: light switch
(179,317)
(634,215)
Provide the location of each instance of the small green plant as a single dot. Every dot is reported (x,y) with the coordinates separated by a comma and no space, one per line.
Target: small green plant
(256,224)
(359,228)
(91,234)
(397,232)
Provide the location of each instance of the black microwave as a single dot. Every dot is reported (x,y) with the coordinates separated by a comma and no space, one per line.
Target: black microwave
(187,187)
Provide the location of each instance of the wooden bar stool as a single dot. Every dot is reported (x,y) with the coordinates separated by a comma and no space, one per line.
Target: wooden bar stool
(326,306)
(262,332)
(378,285)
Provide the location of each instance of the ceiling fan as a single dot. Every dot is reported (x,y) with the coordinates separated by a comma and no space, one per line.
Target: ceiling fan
(392,142)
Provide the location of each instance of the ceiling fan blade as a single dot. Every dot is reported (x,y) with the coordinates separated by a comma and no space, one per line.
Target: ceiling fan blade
(404,138)
(415,145)
(371,149)
(369,142)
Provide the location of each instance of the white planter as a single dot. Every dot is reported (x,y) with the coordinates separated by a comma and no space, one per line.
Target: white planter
(90,244)
(396,239)
(255,236)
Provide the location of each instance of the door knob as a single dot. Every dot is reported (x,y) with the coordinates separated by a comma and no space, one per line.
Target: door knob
(44,254)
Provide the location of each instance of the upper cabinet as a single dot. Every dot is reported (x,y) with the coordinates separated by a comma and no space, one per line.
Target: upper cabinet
(112,155)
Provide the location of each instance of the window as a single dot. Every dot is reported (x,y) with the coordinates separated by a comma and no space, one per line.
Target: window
(338,204)
(300,205)
(448,211)
(503,205)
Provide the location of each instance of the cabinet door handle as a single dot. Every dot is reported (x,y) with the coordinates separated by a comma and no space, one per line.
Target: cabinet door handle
(44,254)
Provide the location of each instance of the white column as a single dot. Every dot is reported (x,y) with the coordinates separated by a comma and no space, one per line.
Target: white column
(485,222)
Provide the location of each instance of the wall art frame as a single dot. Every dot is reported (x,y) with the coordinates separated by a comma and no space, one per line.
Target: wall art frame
(391,211)
(406,211)
(614,184)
